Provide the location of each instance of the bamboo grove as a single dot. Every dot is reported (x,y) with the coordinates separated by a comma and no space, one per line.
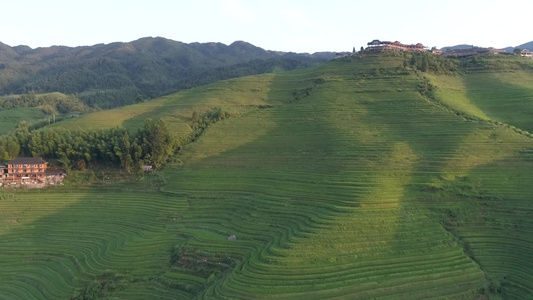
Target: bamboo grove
(152,145)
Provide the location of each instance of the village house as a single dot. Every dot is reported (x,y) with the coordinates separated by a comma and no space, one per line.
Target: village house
(474,51)
(30,171)
(379,46)
(26,169)
(526,53)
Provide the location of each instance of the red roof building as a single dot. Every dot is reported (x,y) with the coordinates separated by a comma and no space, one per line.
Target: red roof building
(378,46)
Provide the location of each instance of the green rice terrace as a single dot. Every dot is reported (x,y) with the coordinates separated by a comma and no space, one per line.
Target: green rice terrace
(359,179)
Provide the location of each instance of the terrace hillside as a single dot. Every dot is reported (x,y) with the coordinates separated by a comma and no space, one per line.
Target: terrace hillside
(363,178)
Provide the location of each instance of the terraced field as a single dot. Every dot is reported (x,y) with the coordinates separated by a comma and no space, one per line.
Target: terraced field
(505,97)
(50,249)
(337,182)
(9,119)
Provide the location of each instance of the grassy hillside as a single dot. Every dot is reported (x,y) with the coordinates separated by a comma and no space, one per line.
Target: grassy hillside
(505,97)
(9,119)
(340,181)
(234,96)
(37,109)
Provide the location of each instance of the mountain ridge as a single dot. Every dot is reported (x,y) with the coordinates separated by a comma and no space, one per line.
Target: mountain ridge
(111,75)
(528,46)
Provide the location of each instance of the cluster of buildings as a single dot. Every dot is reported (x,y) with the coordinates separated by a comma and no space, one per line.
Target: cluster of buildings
(474,51)
(526,53)
(379,46)
(29,172)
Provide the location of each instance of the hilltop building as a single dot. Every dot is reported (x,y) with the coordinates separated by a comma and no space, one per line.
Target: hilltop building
(526,53)
(29,171)
(379,46)
(474,51)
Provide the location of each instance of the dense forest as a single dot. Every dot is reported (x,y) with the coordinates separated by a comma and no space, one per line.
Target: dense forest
(152,145)
(52,103)
(113,75)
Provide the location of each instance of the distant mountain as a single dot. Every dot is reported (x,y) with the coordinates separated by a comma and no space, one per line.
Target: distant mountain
(110,75)
(458,47)
(528,46)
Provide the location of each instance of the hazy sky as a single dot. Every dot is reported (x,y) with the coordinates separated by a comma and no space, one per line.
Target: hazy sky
(285,25)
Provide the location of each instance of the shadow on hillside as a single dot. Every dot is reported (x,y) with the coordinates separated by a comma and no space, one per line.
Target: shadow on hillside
(115,238)
(502,101)
(286,182)
(323,163)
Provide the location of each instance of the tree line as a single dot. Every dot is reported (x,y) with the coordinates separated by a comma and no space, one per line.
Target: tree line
(53,103)
(151,145)
(428,62)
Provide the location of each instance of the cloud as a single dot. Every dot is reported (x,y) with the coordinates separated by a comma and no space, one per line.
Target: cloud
(236,10)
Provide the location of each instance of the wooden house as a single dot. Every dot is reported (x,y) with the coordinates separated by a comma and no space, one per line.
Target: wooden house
(26,169)
(526,53)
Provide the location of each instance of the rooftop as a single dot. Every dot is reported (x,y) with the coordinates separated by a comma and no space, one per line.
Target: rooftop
(55,172)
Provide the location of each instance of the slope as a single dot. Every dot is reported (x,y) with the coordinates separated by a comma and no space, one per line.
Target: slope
(505,97)
(37,109)
(10,118)
(340,181)
(361,169)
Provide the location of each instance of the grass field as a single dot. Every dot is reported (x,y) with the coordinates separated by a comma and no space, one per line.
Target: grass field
(337,182)
(9,119)
(38,109)
(505,97)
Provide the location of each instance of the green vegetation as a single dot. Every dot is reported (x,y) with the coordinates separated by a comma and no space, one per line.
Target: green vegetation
(9,119)
(153,145)
(428,62)
(52,103)
(113,75)
(502,97)
(363,178)
(38,110)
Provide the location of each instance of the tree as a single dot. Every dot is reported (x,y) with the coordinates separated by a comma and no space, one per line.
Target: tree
(424,65)
(353,51)
(195,118)
(126,160)
(517,51)
(162,142)
(139,98)
(22,134)
(362,49)
(158,143)
(12,149)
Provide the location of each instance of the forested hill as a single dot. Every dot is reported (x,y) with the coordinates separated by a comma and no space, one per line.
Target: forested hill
(111,75)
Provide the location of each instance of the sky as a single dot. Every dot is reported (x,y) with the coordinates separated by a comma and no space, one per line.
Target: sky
(281,25)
